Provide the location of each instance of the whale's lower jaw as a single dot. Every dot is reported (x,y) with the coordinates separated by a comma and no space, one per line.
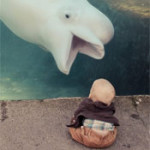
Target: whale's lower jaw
(81,46)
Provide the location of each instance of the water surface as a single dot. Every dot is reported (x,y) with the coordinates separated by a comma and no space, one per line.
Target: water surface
(27,72)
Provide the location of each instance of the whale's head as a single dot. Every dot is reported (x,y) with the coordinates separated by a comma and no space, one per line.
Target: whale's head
(76,26)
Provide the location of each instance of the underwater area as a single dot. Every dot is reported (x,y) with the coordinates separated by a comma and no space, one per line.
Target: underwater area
(28,72)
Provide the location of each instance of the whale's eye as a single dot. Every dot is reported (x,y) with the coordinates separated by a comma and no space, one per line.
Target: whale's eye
(67,16)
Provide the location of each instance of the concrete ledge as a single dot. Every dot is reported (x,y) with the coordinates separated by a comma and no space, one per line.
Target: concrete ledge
(40,125)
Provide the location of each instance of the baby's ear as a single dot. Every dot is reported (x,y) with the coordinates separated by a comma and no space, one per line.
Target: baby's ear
(90,95)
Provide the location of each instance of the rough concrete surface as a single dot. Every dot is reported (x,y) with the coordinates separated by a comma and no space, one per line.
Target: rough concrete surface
(41,125)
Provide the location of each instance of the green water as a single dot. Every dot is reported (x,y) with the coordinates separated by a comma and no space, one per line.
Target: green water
(27,72)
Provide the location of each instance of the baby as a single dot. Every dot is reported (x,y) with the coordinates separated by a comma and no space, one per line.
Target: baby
(93,124)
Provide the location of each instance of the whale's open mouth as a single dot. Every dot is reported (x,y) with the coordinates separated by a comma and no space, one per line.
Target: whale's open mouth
(78,40)
(79,45)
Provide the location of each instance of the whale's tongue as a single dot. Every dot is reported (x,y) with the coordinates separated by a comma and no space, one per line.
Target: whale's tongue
(93,50)
(87,48)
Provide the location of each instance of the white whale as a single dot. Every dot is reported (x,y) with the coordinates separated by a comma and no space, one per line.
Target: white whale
(62,27)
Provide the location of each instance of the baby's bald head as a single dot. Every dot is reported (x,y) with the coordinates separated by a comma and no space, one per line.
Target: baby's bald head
(103,91)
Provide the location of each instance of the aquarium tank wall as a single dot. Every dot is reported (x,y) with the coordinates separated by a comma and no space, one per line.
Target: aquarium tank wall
(28,72)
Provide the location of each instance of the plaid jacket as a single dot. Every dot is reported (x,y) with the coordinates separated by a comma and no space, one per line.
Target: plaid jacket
(97,124)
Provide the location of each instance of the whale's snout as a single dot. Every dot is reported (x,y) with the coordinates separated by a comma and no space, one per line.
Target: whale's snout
(98,23)
(105,32)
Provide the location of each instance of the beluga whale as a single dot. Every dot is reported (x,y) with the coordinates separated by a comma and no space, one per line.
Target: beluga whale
(62,27)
